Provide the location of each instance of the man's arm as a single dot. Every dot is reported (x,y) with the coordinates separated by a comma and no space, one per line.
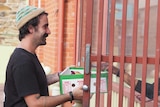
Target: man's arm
(52,78)
(127,77)
(35,100)
(138,83)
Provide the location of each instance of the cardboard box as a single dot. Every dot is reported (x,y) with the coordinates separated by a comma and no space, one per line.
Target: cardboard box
(72,77)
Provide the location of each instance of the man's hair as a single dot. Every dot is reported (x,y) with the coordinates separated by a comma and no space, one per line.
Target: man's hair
(23,31)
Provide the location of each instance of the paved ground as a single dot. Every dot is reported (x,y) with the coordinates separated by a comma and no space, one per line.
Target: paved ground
(1,95)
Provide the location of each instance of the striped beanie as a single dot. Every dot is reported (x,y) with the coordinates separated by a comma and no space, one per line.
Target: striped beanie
(26,14)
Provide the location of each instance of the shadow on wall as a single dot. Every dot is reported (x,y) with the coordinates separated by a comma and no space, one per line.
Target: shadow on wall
(5,52)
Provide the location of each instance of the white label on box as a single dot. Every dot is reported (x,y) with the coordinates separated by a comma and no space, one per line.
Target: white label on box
(70,84)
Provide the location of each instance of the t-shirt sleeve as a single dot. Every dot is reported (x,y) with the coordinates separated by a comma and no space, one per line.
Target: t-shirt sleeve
(25,79)
(149,89)
(138,86)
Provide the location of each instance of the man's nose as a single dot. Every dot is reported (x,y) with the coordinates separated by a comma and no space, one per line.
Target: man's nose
(48,31)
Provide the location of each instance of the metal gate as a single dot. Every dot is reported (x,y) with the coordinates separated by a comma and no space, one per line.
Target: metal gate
(123,33)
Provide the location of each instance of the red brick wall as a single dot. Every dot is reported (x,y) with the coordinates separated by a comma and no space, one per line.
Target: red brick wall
(49,56)
(48,53)
(69,32)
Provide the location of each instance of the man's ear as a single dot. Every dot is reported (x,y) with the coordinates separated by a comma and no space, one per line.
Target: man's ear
(30,28)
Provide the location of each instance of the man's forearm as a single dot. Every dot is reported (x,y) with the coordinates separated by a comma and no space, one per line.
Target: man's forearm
(127,79)
(52,78)
(36,100)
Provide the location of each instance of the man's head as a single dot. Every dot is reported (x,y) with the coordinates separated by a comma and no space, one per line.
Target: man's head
(26,14)
(30,17)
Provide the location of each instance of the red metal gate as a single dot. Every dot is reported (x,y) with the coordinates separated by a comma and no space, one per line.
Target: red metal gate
(125,32)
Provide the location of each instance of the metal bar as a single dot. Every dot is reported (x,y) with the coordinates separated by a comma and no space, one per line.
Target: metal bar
(108,27)
(99,51)
(88,40)
(122,56)
(134,52)
(105,40)
(105,27)
(128,59)
(111,45)
(79,38)
(145,51)
(60,35)
(157,61)
(75,31)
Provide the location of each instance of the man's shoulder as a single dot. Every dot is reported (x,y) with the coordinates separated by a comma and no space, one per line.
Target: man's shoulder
(20,56)
(21,53)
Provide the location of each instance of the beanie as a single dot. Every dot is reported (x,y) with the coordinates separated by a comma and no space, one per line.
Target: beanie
(26,14)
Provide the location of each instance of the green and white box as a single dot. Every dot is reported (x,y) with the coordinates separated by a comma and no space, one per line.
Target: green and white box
(72,77)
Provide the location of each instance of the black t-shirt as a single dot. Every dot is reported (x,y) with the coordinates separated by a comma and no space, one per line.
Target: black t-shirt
(24,76)
(149,89)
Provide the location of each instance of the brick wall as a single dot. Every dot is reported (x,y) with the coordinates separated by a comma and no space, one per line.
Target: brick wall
(49,52)
(8,30)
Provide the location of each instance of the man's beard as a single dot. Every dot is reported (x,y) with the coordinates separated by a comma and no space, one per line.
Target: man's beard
(44,39)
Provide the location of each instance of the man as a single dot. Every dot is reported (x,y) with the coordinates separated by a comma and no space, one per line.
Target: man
(26,84)
(138,83)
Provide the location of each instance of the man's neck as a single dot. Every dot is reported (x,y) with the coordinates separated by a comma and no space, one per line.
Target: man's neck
(28,46)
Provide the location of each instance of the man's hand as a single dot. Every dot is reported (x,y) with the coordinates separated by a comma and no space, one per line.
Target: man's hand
(78,93)
(115,70)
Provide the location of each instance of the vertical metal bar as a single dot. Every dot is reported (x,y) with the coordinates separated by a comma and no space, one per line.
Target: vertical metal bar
(75,33)
(108,28)
(145,50)
(99,51)
(88,40)
(123,45)
(134,52)
(111,48)
(60,35)
(105,27)
(79,38)
(157,61)
(104,41)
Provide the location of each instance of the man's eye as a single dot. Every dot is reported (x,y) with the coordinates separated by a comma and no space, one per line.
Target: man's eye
(45,27)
